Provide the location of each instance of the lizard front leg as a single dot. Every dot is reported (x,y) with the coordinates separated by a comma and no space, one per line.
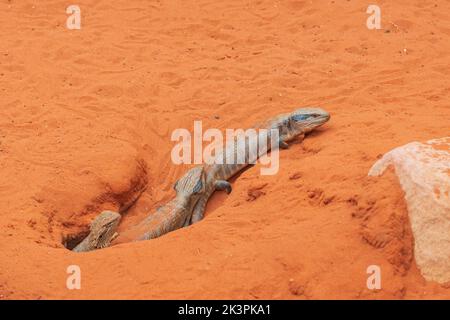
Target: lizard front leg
(283,144)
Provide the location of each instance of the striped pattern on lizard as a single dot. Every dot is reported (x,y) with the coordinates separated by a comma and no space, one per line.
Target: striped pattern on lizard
(289,125)
(196,187)
(167,218)
(172,215)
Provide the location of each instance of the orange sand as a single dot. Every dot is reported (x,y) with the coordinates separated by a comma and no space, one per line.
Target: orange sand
(86,118)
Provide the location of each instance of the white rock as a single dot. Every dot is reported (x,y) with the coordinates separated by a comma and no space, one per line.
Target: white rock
(423,170)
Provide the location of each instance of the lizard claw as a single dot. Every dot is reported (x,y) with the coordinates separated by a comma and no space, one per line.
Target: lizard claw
(115,235)
(283,145)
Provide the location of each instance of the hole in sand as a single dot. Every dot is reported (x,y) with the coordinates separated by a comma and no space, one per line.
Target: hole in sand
(70,241)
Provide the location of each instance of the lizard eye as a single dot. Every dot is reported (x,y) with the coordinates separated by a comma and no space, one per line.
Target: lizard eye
(300,117)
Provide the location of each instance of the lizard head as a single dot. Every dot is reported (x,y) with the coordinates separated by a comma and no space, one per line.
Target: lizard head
(299,122)
(103,228)
(307,119)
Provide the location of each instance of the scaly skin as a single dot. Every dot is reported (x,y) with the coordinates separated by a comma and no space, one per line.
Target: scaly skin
(289,125)
(170,217)
(196,187)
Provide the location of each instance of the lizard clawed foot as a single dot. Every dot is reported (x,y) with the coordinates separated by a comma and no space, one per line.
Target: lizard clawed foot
(115,235)
(223,185)
(283,145)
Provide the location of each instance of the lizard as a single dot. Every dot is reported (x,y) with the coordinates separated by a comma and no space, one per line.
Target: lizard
(198,184)
(169,217)
(172,215)
(289,125)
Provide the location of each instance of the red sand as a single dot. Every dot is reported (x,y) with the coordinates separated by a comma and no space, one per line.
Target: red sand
(87,115)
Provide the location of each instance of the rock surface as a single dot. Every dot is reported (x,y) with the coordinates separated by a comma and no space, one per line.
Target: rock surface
(423,170)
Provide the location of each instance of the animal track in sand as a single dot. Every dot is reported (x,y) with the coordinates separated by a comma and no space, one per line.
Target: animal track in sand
(295,176)
(317,197)
(377,240)
(256,191)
